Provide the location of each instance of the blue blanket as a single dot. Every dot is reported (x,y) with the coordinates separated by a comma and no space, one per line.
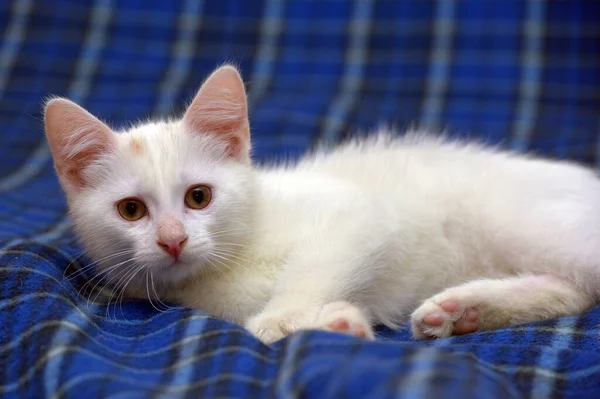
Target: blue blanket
(522,73)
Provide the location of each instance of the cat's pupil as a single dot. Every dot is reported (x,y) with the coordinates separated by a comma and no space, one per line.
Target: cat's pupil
(198,195)
(131,208)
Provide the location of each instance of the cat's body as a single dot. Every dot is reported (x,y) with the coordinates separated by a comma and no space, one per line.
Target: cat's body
(367,233)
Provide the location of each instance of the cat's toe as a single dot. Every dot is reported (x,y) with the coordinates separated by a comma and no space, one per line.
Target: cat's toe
(433,320)
(273,326)
(268,335)
(345,318)
(467,323)
(265,329)
(440,319)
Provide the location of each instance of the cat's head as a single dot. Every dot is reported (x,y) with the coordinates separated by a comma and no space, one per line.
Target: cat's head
(162,200)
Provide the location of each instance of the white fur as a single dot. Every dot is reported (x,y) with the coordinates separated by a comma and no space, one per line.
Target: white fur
(386,226)
(383,223)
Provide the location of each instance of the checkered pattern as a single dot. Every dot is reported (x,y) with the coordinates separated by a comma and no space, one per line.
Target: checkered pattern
(522,73)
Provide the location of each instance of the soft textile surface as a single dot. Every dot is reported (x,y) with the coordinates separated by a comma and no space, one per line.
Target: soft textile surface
(524,73)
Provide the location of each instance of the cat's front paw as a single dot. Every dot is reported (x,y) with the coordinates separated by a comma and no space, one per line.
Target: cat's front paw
(442,316)
(341,317)
(271,326)
(345,318)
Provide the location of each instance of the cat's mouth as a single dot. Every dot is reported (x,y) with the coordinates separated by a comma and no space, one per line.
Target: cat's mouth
(175,263)
(175,267)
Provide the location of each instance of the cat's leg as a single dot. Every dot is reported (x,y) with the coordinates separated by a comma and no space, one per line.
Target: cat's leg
(493,303)
(314,278)
(344,252)
(314,298)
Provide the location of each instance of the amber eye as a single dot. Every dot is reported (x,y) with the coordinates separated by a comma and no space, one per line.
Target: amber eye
(198,197)
(132,209)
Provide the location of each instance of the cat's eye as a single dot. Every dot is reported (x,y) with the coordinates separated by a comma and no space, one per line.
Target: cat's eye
(132,209)
(198,197)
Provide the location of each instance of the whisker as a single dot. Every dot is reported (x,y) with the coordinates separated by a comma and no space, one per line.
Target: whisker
(95,263)
(121,276)
(148,292)
(231,254)
(230,230)
(224,257)
(114,276)
(156,293)
(120,297)
(102,274)
(218,269)
(105,273)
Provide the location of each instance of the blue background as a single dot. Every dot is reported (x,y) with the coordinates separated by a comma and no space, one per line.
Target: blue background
(525,74)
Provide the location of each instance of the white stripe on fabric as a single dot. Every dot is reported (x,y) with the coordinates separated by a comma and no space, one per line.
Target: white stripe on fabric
(529,86)
(79,88)
(57,231)
(13,39)
(353,71)
(30,168)
(93,356)
(87,64)
(212,380)
(439,65)
(285,386)
(270,29)
(185,375)
(62,337)
(190,20)
(541,387)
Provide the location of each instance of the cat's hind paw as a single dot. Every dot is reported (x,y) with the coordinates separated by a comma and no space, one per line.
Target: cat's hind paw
(344,318)
(439,319)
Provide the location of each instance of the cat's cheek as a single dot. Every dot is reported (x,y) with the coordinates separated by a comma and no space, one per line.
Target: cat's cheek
(141,236)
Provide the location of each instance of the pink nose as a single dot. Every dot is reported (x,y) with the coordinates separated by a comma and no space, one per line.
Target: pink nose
(173,247)
(171,237)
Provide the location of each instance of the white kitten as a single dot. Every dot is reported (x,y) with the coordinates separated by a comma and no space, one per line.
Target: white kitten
(462,236)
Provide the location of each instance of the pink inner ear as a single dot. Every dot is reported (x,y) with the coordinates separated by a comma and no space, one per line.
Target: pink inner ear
(91,149)
(76,139)
(220,108)
(216,109)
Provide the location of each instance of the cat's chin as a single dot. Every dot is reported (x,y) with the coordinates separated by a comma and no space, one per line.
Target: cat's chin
(175,272)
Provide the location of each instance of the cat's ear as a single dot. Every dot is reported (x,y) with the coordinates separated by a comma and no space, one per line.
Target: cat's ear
(220,109)
(76,139)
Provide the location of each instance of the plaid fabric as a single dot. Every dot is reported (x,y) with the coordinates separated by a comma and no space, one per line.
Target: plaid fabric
(524,73)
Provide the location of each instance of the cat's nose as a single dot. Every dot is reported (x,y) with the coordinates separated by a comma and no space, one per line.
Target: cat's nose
(171,236)
(173,246)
